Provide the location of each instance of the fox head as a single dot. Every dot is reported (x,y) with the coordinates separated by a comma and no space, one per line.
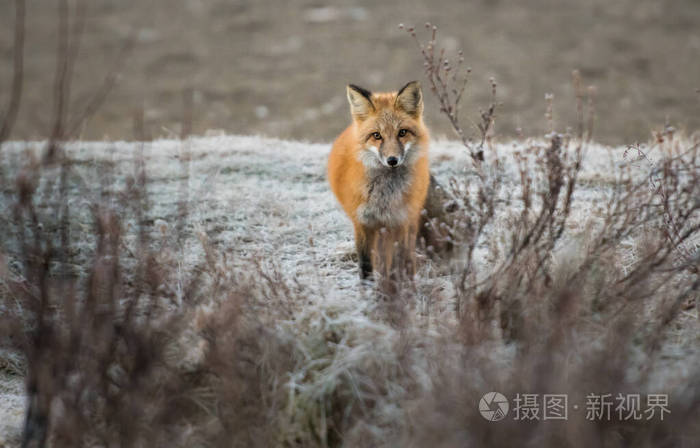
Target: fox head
(388,126)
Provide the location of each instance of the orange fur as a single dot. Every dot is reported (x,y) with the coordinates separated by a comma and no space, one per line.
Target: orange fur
(383,201)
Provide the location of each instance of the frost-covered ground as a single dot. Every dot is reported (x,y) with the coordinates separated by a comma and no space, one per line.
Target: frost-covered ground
(270,197)
(263,197)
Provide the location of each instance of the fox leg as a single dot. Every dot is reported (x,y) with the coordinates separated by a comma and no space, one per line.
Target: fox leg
(409,243)
(364,240)
(404,252)
(384,251)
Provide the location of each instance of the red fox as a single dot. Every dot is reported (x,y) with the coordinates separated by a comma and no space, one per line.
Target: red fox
(378,169)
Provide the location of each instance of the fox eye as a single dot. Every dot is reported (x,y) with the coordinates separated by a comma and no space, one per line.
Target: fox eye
(376,135)
(403,132)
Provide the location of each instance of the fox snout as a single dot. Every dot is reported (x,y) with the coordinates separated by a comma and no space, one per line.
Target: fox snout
(388,158)
(394,155)
(391,155)
(392,161)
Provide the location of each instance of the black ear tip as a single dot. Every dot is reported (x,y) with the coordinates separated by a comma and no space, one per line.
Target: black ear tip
(364,92)
(415,85)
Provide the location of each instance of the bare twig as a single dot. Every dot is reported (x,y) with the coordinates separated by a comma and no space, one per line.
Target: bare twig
(448,83)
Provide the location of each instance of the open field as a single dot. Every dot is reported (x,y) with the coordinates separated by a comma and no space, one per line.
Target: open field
(280,68)
(264,206)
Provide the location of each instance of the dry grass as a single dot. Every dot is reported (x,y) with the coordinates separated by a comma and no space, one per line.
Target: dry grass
(140,334)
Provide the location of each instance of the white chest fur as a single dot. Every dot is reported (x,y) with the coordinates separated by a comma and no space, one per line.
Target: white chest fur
(385,203)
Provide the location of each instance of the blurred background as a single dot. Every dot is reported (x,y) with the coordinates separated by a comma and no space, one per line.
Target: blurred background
(279,68)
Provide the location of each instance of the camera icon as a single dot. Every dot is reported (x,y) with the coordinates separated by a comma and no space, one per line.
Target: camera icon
(493,406)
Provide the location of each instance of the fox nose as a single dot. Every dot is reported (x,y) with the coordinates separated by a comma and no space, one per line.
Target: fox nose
(392,161)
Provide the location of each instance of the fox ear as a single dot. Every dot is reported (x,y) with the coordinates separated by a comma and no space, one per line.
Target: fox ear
(410,99)
(360,102)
